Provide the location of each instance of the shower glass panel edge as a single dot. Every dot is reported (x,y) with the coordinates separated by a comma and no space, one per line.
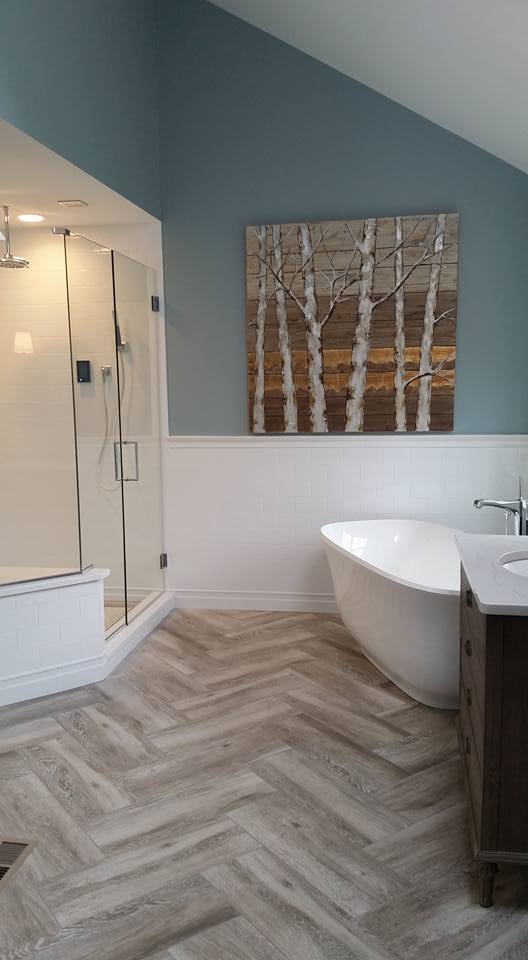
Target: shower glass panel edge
(137,332)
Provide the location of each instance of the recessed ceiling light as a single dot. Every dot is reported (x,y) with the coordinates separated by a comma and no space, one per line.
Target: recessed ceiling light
(72,203)
(103,250)
(30,217)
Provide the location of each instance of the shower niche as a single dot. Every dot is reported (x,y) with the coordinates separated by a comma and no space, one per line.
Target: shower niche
(80,419)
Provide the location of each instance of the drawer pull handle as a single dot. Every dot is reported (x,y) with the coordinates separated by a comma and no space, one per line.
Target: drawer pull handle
(468,747)
(468,697)
(467,647)
(469,598)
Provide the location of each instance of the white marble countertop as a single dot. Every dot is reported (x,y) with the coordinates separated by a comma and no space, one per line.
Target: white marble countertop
(496,590)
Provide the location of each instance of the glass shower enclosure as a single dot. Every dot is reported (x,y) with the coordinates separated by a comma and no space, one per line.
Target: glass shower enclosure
(80,420)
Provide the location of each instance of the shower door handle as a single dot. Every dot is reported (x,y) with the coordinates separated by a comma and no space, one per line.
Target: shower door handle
(118,460)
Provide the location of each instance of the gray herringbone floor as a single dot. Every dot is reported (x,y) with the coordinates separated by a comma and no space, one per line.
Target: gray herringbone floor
(245,787)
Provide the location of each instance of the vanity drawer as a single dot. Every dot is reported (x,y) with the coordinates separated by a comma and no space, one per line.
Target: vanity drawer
(472,767)
(472,626)
(472,701)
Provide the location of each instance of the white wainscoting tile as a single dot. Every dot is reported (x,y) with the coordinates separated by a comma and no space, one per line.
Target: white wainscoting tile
(70,649)
(242,514)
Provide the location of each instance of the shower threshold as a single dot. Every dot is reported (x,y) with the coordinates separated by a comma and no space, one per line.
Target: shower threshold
(114,611)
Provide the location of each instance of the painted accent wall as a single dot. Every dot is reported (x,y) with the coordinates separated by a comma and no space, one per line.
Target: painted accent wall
(254,131)
(81,77)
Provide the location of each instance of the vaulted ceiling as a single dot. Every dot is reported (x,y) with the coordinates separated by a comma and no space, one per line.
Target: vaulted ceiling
(461,63)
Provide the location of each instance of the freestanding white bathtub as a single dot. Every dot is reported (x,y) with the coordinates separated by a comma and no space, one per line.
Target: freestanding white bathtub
(397,585)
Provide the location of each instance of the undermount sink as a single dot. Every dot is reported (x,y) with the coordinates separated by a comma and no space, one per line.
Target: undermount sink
(517,565)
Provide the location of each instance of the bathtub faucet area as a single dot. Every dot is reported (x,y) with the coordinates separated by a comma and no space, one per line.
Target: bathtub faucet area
(513,509)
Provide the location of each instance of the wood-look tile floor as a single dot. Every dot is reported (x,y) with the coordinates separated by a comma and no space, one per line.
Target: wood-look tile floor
(245,787)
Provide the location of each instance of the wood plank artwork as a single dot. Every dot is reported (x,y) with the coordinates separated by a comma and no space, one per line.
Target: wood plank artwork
(351,325)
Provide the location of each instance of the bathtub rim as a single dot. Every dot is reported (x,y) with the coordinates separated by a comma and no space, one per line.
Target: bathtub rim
(412,584)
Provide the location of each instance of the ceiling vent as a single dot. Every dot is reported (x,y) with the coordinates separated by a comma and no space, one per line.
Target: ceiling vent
(72,203)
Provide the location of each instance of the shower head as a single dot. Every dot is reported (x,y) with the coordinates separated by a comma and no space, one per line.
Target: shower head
(8,260)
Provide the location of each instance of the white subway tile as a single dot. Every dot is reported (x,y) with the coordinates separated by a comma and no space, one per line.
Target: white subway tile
(37,636)
(240,517)
(18,617)
(92,644)
(57,610)
(59,653)
(8,645)
(7,604)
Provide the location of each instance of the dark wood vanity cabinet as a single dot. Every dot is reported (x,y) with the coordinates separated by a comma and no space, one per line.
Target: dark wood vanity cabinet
(493,734)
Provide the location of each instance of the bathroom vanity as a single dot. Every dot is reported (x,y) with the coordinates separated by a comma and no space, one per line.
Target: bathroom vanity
(493,718)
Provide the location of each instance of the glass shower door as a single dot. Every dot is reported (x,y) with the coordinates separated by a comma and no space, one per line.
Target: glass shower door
(137,338)
(98,371)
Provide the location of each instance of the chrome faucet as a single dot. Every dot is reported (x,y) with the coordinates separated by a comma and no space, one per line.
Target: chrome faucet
(516,509)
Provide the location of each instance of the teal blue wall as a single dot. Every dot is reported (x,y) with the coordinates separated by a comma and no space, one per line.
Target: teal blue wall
(81,77)
(253,131)
(250,130)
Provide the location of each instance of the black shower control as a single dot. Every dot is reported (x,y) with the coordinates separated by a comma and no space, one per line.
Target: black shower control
(84,371)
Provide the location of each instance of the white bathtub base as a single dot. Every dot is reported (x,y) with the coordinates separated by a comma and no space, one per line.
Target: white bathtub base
(427,697)
(410,634)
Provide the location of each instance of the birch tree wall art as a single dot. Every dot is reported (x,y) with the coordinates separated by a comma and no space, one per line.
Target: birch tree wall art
(351,325)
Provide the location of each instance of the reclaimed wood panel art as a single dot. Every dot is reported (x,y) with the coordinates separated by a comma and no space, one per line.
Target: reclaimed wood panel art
(351,325)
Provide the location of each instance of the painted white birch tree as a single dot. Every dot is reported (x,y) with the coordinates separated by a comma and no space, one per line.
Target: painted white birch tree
(260,330)
(423,412)
(360,351)
(357,382)
(400,404)
(288,383)
(316,389)
(339,283)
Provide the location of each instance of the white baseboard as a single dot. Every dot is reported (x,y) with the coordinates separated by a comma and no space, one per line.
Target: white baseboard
(248,600)
(41,683)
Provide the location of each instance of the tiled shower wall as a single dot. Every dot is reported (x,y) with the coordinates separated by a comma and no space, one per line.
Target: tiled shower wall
(48,628)
(38,502)
(243,514)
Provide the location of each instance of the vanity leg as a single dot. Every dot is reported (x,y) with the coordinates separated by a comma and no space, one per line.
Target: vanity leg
(488,872)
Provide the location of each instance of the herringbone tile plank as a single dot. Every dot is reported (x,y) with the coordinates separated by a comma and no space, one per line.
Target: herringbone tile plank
(246,786)
(236,939)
